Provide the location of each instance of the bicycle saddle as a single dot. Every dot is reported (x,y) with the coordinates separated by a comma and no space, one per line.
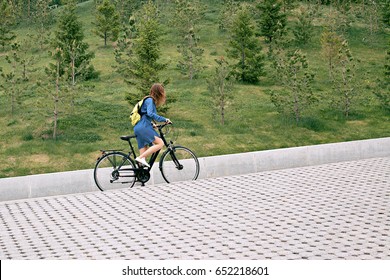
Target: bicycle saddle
(127,138)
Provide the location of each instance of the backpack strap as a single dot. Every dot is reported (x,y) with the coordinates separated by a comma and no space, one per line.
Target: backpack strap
(143,100)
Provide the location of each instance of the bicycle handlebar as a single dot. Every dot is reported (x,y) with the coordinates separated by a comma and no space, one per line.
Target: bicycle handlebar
(161,126)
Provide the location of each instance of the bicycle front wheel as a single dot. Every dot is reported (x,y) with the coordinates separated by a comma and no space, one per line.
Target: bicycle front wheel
(179,164)
(114,171)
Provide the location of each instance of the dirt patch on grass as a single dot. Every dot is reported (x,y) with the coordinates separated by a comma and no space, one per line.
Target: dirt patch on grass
(39,158)
(357,123)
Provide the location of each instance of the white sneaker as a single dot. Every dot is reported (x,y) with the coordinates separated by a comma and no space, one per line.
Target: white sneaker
(142,161)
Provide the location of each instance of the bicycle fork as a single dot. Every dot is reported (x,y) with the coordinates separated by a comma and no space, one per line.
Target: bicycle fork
(178,165)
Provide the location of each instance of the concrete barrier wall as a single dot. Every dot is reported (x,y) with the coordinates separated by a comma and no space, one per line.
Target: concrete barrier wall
(216,166)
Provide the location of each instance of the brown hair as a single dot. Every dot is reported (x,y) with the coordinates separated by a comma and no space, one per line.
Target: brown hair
(157,92)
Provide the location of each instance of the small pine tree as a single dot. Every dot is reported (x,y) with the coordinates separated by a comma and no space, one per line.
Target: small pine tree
(245,48)
(13,79)
(338,20)
(304,28)
(386,13)
(6,19)
(56,94)
(126,9)
(345,83)
(69,37)
(191,62)
(382,92)
(288,5)
(330,43)
(227,13)
(221,88)
(297,94)
(142,68)
(272,20)
(124,48)
(43,18)
(107,22)
(187,15)
(373,16)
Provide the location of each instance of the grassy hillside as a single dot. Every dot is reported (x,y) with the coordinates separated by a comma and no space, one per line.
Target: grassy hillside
(100,113)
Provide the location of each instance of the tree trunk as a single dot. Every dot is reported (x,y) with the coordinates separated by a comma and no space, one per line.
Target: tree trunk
(13,90)
(191,66)
(13,99)
(29,9)
(222,93)
(296,98)
(345,91)
(56,97)
(73,72)
(242,62)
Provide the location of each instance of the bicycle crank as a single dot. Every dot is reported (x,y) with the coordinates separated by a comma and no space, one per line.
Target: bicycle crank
(143,175)
(114,176)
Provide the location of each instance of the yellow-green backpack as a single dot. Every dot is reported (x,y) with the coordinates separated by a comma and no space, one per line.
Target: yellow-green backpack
(135,114)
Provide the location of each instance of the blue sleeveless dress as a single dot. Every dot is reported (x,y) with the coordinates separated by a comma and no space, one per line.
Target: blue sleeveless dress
(144,130)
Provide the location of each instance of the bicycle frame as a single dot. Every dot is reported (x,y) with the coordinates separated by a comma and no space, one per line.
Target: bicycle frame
(146,171)
(154,155)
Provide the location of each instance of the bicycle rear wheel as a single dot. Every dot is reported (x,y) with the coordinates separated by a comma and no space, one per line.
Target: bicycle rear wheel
(179,164)
(114,171)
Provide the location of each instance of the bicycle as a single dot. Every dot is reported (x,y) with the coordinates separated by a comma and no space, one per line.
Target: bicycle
(115,169)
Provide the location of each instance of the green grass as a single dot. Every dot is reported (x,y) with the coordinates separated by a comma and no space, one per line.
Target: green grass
(100,113)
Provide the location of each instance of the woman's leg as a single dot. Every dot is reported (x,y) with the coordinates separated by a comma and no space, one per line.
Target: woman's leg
(157,145)
(143,150)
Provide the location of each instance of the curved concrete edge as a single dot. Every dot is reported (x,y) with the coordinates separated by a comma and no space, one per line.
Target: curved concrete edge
(216,166)
(46,185)
(252,162)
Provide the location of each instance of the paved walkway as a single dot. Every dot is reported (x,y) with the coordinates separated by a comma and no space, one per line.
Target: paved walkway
(332,211)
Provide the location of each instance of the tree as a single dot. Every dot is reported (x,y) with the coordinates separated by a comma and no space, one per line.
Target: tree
(382,92)
(69,38)
(43,18)
(191,62)
(304,27)
(13,78)
(187,15)
(297,94)
(386,12)
(288,5)
(126,9)
(220,87)
(339,19)
(345,84)
(124,48)
(226,15)
(245,48)
(330,43)
(58,57)
(373,16)
(272,20)
(58,80)
(107,21)
(6,19)
(142,68)
(27,61)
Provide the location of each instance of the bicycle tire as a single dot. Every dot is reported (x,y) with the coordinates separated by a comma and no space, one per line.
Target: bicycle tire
(114,170)
(186,167)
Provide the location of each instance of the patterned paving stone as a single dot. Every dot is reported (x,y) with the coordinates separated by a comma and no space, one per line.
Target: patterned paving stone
(331,211)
